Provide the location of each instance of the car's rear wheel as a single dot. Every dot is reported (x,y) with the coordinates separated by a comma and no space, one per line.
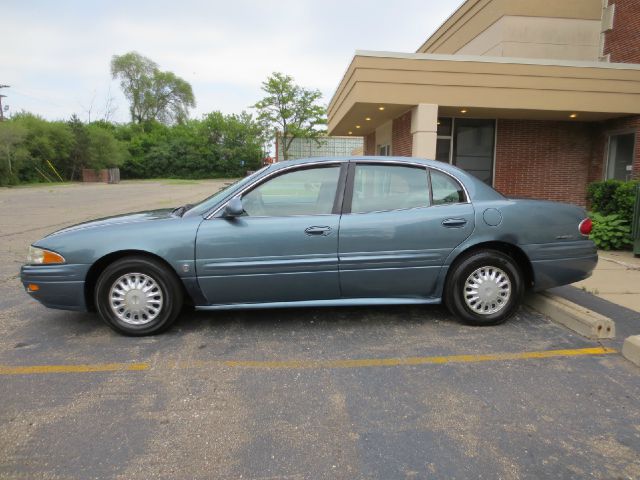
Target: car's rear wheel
(138,296)
(484,287)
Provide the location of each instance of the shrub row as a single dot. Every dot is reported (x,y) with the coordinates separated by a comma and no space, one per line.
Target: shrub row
(218,145)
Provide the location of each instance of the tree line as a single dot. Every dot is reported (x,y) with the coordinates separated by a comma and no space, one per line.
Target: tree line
(160,140)
(218,145)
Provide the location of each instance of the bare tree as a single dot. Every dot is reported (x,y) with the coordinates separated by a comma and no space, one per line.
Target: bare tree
(110,107)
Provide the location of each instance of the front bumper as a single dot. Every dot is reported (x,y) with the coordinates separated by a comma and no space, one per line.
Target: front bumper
(59,286)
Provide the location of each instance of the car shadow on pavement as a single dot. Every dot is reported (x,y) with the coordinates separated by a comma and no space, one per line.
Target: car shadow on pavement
(286,319)
(289,333)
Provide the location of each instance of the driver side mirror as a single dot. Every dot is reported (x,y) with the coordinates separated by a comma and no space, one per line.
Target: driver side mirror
(233,208)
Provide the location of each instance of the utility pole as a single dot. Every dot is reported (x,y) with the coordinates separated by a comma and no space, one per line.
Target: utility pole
(1,97)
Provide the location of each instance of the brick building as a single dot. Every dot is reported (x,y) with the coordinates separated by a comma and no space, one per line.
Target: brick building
(536,98)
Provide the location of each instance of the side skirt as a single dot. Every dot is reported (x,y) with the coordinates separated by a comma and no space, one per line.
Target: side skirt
(340,302)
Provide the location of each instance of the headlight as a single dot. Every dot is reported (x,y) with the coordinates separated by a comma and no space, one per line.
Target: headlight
(40,256)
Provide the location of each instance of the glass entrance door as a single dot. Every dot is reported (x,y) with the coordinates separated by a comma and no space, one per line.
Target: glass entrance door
(620,156)
(468,143)
(473,145)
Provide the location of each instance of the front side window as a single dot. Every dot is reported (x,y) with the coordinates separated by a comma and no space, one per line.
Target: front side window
(445,189)
(385,187)
(620,156)
(210,202)
(310,191)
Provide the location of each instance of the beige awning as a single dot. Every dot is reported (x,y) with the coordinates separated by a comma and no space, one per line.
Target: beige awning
(382,85)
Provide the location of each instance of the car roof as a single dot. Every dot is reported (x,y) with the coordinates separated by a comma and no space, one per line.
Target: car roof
(371,159)
(477,189)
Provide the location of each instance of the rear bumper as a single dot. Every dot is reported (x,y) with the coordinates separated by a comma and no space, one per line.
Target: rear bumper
(553,273)
(561,263)
(59,286)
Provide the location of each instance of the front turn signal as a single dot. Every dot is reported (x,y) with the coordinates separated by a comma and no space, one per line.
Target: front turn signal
(40,256)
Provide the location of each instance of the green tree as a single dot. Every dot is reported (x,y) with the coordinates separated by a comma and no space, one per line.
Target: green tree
(217,146)
(79,154)
(104,151)
(140,141)
(152,93)
(46,146)
(238,141)
(11,138)
(290,109)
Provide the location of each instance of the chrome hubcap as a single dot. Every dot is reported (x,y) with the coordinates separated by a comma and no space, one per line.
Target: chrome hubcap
(487,290)
(135,298)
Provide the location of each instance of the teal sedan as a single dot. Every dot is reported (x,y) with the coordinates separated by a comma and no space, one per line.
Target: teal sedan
(318,232)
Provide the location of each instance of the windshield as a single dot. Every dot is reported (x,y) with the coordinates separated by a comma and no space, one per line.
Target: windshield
(210,202)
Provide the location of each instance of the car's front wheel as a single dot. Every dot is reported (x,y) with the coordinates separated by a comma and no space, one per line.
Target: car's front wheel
(484,288)
(138,296)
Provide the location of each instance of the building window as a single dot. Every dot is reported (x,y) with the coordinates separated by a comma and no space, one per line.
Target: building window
(620,156)
(468,143)
(443,143)
(384,150)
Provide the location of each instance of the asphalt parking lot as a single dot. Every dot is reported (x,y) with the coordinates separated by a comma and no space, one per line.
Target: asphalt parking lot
(371,393)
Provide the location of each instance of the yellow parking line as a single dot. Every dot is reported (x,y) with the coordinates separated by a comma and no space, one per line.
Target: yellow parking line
(394,362)
(86,368)
(299,364)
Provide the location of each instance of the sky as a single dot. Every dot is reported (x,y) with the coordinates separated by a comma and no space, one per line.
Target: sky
(55,55)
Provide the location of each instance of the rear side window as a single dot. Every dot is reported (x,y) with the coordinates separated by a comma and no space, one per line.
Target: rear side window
(389,187)
(445,189)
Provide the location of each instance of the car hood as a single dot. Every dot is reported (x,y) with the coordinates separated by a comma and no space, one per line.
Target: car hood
(135,217)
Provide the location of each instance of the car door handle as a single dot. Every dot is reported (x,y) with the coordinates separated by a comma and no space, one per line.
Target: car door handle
(454,222)
(317,231)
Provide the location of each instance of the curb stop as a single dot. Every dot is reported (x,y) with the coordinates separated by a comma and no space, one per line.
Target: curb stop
(631,349)
(575,317)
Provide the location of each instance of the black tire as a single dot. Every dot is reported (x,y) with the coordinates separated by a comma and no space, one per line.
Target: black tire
(166,282)
(456,288)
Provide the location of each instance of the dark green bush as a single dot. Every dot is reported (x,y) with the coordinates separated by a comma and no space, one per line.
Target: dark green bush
(612,196)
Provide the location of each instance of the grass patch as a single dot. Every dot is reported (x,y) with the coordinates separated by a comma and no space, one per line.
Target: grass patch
(179,181)
(40,185)
(165,181)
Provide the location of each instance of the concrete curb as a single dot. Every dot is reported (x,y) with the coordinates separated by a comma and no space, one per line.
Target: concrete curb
(575,317)
(628,266)
(631,349)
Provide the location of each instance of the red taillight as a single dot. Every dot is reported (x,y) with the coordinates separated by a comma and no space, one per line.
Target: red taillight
(585,226)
